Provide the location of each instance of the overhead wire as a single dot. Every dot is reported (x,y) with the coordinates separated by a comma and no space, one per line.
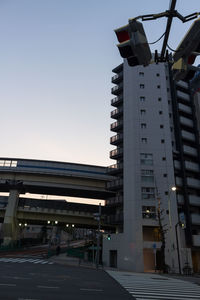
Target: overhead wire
(157,39)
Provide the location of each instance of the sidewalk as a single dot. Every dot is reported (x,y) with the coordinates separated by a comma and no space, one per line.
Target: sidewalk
(72,261)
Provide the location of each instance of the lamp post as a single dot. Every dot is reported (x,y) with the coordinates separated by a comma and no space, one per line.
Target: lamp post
(177,244)
(173,189)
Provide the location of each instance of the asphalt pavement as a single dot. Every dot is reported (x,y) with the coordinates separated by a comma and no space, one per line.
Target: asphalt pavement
(23,280)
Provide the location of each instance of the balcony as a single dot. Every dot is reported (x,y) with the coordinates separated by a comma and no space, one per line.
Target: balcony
(177,164)
(183,96)
(192,166)
(116,113)
(117,78)
(182,84)
(186,122)
(189,150)
(116,90)
(114,219)
(195,218)
(116,126)
(193,183)
(179,181)
(180,199)
(116,139)
(196,240)
(115,169)
(188,135)
(114,184)
(114,201)
(116,153)
(117,101)
(185,108)
(194,200)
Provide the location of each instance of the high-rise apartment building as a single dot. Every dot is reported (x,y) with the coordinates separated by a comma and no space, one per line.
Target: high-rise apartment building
(156,151)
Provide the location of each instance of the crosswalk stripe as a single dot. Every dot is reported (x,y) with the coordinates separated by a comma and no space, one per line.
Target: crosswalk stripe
(156,287)
(23,260)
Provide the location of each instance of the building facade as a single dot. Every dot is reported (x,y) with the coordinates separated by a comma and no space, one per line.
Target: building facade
(156,151)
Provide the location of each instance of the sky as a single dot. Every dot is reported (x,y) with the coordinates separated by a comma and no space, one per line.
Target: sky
(56,65)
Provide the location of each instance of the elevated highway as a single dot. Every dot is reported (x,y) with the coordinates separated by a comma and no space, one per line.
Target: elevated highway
(40,212)
(20,176)
(54,178)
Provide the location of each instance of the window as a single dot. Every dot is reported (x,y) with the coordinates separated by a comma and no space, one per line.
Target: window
(160,112)
(142,98)
(147,176)
(162,141)
(141,74)
(157,74)
(159,99)
(149,212)
(158,86)
(141,86)
(148,193)
(170,115)
(164,158)
(166,193)
(146,159)
(143,125)
(165,175)
(142,111)
(144,140)
(161,126)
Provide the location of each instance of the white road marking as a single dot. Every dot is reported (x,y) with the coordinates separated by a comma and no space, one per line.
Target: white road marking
(47,287)
(7,284)
(91,290)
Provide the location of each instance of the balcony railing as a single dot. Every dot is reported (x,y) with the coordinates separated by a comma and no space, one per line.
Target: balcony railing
(116,153)
(116,139)
(117,78)
(116,125)
(188,135)
(117,100)
(115,184)
(183,96)
(185,108)
(115,168)
(116,112)
(117,89)
(189,150)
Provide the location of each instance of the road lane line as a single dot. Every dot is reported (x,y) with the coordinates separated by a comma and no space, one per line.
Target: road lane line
(91,290)
(7,284)
(47,287)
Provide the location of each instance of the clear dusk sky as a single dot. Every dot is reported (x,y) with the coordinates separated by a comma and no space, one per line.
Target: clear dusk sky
(56,65)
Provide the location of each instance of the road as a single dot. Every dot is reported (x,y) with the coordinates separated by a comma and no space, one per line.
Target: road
(153,286)
(37,279)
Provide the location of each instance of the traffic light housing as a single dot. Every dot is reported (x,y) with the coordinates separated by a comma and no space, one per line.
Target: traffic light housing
(133,43)
(108,237)
(186,53)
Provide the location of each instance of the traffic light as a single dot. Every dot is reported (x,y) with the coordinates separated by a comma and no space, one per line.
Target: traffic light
(186,53)
(133,43)
(108,237)
(182,220)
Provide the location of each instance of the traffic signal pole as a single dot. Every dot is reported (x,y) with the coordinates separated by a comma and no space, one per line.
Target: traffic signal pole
(168,27)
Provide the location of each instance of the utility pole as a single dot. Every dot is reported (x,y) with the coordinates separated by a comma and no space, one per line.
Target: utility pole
(97,217)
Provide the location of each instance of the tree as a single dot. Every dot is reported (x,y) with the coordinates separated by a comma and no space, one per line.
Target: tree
(164,267)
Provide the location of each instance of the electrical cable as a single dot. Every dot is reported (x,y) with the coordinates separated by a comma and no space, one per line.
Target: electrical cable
(172,49)
(157,40)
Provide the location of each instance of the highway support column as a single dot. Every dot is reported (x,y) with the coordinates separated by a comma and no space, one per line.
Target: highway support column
(10,224)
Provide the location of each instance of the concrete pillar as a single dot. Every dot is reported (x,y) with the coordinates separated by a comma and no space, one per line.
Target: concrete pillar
(10,224)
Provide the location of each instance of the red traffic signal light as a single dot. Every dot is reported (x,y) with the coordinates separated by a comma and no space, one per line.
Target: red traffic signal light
(133,43)
(186,53)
